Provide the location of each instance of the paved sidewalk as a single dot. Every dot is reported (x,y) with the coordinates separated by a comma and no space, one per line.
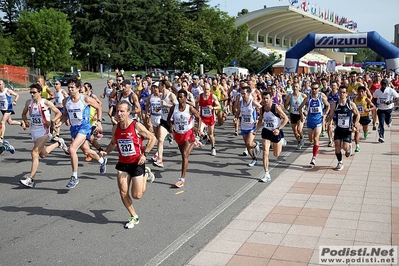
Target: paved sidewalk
(305,208)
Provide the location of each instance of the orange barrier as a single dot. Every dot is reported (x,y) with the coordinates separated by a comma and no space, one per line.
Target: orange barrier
(14,74)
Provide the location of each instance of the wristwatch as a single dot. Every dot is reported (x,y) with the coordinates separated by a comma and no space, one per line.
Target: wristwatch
(145,154)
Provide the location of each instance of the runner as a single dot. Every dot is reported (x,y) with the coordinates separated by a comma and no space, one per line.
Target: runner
(128,136)
(207,103)
(385,98)
(180,119)
(317,105)
(247,113)
(273,119)
(364,106)
(7,109)
(332,97)
(39,123)
(292,103)
(346,118)
(77,110)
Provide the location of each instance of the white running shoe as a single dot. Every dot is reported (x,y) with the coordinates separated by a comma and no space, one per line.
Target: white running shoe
(62,145)
(339,167)
(266,177)
(27,182)
(284,142)
(132,221)
(257,148)
(213,152)
(253,163)
(149,175)
(155,157)
(245,152)
(313,161)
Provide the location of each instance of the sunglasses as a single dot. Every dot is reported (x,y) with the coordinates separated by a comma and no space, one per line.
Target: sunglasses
(57,83)
(33,92)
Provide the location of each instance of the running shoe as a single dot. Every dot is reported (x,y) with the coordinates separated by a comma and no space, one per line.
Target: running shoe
(365,135)
(155,157)
(374,127)
(149,175)
(302,142)
(324,133)
(253,163)
(88,158)
(132,221)
(170,138)
(266,177)
(381,140)
(159,163)
(284,142)
(2,148)
(103,167)
(179,183)
(213,152)
(72,182)
(245,152)
(62,145)
(348,153)
(298,147)
(236,133)
(27,181)
(313,161)
(330,143)
(339,167)
(257,148)
(55,138)
(357,149)
(9,147)
(198,142)
(204,139)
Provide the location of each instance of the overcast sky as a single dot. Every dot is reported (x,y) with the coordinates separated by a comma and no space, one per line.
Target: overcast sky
(370,15)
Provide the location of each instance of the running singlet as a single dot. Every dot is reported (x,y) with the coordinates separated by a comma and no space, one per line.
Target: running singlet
(79,112)
(130,145)
(39,115)
(165,109)
(332,98)
(204,106)
(344,113)
(248,115)
(361,106)
(315,109)
(155,105)
(196,91)
(5,100)
(182,120)
(295,102)
(271,119)
(58,98)
(128,99)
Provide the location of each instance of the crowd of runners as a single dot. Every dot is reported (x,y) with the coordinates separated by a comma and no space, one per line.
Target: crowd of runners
(188,109)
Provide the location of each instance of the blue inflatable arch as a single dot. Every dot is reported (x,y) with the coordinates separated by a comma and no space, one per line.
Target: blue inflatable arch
(352,40)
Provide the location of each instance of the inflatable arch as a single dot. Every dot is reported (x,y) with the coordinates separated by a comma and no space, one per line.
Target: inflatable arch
(353,40)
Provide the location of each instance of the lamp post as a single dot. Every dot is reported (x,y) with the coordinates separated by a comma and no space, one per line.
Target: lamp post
(88,62)
(108,64)
(32,51)
(70,54)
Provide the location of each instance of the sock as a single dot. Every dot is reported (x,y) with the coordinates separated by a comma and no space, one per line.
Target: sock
(339,156)
(315,150)
(75,174)
(101,160)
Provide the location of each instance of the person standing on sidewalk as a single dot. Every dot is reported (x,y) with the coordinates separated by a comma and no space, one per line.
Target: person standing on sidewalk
(273,119)
(39,123)
(346,118)
(77,110)
(385,98)
(128,136)
(317,106)
(180,120)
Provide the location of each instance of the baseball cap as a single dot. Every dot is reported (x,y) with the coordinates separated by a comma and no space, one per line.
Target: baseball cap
(384,81)
(126,82)
(133,75)
(195,77)
(155,84)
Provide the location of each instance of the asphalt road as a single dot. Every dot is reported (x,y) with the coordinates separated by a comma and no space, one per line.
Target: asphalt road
(53,225)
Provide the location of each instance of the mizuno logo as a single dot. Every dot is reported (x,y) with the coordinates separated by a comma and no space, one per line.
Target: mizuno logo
(287,69)
(332,41)
(395,70)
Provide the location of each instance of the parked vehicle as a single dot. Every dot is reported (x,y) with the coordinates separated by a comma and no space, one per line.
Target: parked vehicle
(67,76)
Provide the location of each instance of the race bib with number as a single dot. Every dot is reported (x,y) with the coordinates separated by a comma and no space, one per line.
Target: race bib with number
(126,147)
(2,105)
(360,108)
(343,122)
(315,110)
(76,117)
(206,111)
(36,120)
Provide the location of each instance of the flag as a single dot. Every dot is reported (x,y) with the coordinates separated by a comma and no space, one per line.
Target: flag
(294,2)
(303,6)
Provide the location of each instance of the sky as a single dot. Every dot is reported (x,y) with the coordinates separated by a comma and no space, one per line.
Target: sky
(370,15)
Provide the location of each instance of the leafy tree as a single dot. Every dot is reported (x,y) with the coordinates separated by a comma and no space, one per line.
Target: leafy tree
(11,9)
(194,7)
(243,12)
(367,55)
(49,32)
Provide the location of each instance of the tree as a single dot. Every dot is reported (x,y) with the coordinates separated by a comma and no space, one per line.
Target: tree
(367,55)
(49,32)
(243,12)
(194,7)
(11,9)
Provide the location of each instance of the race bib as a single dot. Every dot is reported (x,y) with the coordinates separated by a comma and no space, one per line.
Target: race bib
(268,124)
(246,119)
(2,105)
(206,111)
(126,147)
(360,108)
(343,122)
(36,120)
(315,110)
(75,118)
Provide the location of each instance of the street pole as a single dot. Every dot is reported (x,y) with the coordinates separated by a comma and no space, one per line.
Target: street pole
(108,64)
(32,51)
(70,54)
(88,62)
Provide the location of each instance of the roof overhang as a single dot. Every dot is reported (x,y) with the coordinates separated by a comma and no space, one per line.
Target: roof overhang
(287,23)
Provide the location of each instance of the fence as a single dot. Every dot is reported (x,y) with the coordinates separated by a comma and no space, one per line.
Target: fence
(14,74)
